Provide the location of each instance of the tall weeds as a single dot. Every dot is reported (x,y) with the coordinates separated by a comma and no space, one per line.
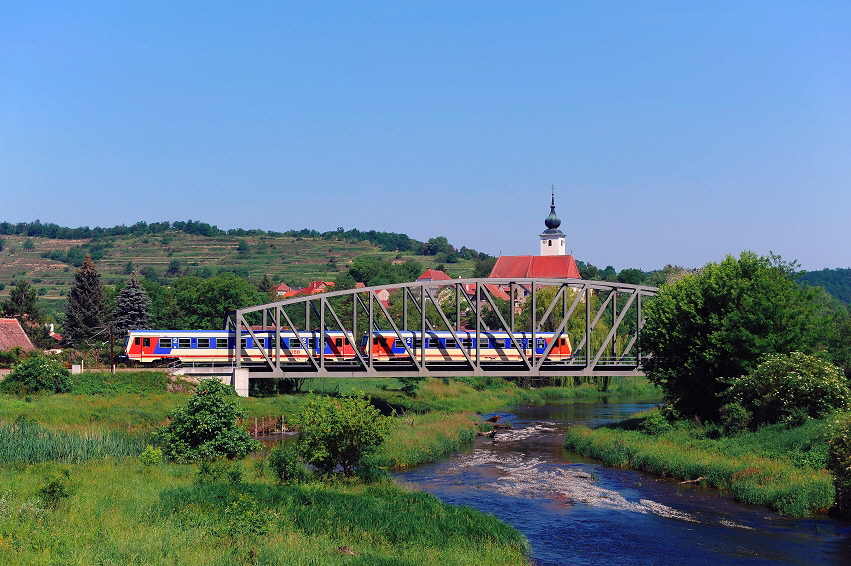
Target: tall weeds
(24,441)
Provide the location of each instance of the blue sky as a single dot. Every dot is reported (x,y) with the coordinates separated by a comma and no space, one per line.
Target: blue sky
(674,132)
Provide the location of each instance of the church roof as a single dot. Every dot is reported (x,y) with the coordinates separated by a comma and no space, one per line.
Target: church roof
(11,335)
(552,221)
(535,266)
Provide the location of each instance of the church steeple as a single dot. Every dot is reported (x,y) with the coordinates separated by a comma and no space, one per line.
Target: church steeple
(553,221)
(552,240)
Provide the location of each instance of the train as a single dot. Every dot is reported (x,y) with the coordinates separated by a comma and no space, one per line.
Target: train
(204,347)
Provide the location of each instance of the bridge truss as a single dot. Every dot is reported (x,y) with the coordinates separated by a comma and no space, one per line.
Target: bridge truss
(602,320)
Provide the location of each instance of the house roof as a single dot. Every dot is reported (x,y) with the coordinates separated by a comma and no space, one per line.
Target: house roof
(12,335)
(495,290)
(312,288)
(537,266)
(281,287)
(433,275)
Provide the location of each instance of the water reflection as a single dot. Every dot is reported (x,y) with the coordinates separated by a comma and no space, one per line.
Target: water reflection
(575,511)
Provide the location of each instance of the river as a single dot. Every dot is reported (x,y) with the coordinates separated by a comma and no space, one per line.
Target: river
(575,511)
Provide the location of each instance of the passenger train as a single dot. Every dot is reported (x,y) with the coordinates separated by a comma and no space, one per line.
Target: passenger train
(219,346)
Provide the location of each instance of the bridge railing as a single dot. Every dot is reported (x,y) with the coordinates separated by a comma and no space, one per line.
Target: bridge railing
(602,321)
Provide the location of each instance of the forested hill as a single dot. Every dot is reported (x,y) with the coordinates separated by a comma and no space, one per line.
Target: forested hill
(837,282)
(385,241)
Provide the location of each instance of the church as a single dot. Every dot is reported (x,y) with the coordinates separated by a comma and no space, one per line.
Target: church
(553,263)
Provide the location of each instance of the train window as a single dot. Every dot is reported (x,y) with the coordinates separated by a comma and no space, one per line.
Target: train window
(137,341)
(146,342)
(338,342)
(203,342)
(259,342)
(418,343)
(311,343)
(467,343)
(165,342)
(562,342)
(221,342)
(243,343)
(451,343)
(541,343)
(507,343)
(184,342)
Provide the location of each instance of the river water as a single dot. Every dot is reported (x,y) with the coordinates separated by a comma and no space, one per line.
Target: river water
(575,511)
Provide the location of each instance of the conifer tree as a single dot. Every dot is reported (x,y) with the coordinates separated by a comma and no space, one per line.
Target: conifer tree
(85,312)
(22,304)
(132,311)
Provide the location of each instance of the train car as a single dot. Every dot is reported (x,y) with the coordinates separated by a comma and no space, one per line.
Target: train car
(219,346)
(441,346)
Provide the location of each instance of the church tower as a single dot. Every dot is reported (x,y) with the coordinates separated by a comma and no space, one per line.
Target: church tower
(552,240)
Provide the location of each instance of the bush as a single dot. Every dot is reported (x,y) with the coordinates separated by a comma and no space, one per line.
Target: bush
(655,424)
(735,419)
(339,432)
(37,374)
(787,388)
(286,465)
(207,427)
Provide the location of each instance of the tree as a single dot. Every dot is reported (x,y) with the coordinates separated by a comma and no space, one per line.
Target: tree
(133,308)
(22,303)
(206,428)
(719,322)
(339,432)
(484,267)
(85,312)
(265,284)
(193,303)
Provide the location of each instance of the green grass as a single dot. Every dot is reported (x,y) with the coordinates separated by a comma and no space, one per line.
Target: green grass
(122,512)
(419,438)
(777,467)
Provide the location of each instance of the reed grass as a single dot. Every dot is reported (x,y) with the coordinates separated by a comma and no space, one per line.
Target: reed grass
(123,382)
(778,483)
(24,441)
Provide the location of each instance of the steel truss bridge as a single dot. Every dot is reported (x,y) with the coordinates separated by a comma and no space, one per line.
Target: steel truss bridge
(602,321)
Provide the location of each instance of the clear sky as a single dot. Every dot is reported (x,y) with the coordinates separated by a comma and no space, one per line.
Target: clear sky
(674,132)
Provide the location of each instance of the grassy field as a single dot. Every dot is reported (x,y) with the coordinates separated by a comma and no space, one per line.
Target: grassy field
(119,511)
(295,261)
(776,466)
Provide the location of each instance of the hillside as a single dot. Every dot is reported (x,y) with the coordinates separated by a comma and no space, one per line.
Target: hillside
(837,282)
(49,263)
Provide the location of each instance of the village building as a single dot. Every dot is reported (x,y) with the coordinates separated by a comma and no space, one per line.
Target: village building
(12,335)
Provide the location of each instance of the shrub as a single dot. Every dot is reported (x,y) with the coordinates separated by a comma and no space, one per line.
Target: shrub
(339,432)
(207,427)
(151,455)
(655,424)
(785,387)
(37,374)
(286,465)
(735,419)
(839,464)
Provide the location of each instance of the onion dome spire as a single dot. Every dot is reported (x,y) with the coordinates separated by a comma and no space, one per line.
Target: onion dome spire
(553,221)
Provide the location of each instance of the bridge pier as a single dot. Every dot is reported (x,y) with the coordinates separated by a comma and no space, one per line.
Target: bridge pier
(239,380)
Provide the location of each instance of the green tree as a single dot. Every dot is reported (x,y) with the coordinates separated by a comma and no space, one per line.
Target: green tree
(339,432)
(28,245)
(786,387)
(128,268)
(85,311)
(22,303)
(631,276)
(206,428)
(719,322)
(132,311)
(484,267)
(37,374)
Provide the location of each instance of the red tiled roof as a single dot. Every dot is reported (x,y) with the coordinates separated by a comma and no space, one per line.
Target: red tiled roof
(281,287)
(495,290)
(538,266)
(312,288)
(433,275)
(11,335)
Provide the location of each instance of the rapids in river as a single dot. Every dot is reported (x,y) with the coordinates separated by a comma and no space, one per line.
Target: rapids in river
(573,510)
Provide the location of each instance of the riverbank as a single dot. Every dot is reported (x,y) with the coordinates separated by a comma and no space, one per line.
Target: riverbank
(778,466)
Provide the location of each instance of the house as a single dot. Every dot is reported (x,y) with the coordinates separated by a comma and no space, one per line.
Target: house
(12,335)
(281,289)
(313,288)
